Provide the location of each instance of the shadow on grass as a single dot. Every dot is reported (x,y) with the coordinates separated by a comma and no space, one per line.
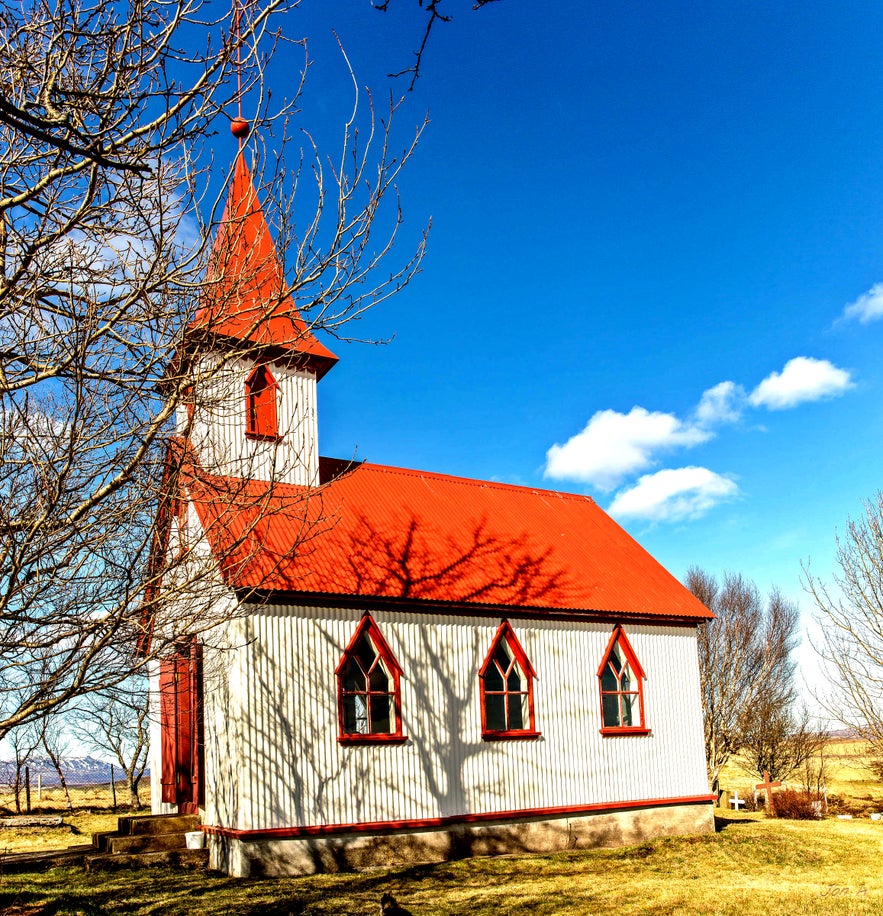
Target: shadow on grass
(722,822)
(280,908)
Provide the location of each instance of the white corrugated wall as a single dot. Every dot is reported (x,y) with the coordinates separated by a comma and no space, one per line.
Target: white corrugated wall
(279,726)
(218,430)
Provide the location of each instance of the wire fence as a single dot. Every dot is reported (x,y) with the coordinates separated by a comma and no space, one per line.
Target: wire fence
(36,791)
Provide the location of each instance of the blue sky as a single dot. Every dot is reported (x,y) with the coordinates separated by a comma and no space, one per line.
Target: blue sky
(652,272)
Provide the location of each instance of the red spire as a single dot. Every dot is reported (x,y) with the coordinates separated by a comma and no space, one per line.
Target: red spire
(244,298)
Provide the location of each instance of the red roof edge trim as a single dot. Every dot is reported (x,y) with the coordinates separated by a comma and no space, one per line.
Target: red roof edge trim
(262,597)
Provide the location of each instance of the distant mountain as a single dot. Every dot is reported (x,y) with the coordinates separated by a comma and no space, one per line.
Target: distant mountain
(78,771)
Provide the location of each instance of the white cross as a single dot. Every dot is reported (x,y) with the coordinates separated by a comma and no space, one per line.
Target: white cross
(735,801)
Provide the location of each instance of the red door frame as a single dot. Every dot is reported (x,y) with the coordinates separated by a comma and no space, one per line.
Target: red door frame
(181,727)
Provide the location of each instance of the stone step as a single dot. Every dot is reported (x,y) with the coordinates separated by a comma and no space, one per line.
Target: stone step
(157,823)
(184,858)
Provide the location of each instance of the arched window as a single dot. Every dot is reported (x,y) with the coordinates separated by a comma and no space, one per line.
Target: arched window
(621,680)
(368,689)
(506,686)
(260,405)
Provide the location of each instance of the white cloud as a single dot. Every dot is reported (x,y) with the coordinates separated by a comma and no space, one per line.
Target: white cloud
(673,494)
(721,404)
(614,445)
(803,379)
(868,307)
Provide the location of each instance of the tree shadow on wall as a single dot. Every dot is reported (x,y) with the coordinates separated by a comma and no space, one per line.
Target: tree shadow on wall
(303,775)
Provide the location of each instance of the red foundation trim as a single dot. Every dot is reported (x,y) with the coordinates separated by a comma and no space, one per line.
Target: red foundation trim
(285,833)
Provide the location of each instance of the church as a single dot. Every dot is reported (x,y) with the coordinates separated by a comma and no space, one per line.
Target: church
(404,666)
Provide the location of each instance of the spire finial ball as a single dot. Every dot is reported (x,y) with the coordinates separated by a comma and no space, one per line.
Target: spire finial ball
(240,128)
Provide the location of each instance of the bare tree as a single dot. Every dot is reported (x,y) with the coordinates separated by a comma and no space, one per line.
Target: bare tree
(105,213)
(23,741)
(850,617)
(781,741)
(56,743)
(745,662)
(117,721)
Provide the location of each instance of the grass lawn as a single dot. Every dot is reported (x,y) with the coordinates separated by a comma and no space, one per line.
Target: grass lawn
(751,866)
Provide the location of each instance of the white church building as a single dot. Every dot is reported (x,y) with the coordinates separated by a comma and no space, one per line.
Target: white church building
(411,666)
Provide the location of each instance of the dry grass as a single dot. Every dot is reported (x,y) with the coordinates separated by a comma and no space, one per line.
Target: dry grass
(76,829)
(752,867)
(92,814)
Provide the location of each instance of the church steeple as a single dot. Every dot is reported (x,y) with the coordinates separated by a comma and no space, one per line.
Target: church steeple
(244,300)
(255,361)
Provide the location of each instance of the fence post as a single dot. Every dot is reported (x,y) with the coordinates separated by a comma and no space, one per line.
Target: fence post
(113,789)
(28,789)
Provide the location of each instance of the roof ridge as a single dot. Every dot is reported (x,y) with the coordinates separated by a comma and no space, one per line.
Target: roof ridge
(469,481)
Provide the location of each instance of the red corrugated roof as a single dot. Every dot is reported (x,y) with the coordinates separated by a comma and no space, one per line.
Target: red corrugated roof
(387,532)
(244,297)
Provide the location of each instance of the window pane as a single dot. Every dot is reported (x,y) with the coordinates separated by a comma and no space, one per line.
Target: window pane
(355,719)
(380,714)
(515,682)
(365,653)
(609,680)
(493,680)
(610,705)
(628,701)
(517,711)
(501,655)
(625,678)
(349,715)
(495,712)
(353,677)
(378,680)
(361,709)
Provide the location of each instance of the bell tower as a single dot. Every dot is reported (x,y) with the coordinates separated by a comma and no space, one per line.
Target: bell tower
(254,362)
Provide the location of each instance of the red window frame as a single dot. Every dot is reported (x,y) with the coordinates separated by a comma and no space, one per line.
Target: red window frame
(613,665)
(367,630)
(517,658)
(261,413)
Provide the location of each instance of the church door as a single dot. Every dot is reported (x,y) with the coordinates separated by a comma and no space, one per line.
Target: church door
(180,687)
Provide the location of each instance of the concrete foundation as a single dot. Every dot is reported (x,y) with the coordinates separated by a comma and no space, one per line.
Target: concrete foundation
(353,851)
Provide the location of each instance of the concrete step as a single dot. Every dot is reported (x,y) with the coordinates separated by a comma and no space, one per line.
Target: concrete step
(184,858)
(157,823)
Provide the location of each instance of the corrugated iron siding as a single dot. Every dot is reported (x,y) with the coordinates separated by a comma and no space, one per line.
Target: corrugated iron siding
(218,432)
(282,709)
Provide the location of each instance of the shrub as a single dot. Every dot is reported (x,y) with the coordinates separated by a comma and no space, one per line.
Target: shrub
(799,806)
